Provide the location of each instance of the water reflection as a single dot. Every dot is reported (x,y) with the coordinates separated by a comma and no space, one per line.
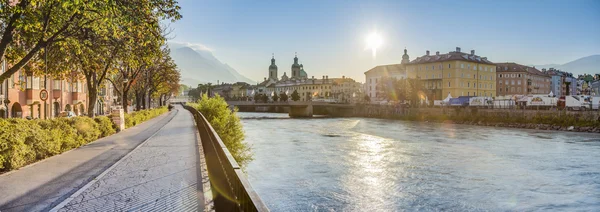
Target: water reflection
(355,164)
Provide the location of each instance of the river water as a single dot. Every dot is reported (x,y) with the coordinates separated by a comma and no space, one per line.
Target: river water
(362,164)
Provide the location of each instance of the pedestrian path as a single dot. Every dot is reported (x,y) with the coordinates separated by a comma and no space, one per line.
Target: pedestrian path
(161,175)
(162,169)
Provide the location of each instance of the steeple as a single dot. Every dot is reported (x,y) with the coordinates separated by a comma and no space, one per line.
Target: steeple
(405,57)
(273,69)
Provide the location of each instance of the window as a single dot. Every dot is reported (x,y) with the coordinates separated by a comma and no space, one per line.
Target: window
(468,66)
(462,84)
(479,85)
(519,82)
(426,68)
(433,67)
(500,75)
(512,82)
(440,76)
(448,75)
(519,76)
(440,66)
(474,68)
(448,65)
(462,65)
(462,75)
(492,77)
(468,93)
(468,84)
(448,84)
(432,76)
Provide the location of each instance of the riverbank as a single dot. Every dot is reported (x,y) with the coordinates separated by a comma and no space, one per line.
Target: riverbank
(576,121)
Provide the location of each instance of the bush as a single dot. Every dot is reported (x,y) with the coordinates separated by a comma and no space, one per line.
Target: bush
(227,125)
(137,117)
(105,125)
(25,141)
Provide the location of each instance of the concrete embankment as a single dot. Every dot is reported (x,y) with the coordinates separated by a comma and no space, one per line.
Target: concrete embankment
(578,121)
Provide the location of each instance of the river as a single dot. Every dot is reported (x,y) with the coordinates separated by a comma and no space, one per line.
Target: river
(363,164)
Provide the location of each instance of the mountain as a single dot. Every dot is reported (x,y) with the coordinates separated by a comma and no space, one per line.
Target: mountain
(584,65)
(201,66)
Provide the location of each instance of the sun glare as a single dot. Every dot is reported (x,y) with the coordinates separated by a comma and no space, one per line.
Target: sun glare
(374,41)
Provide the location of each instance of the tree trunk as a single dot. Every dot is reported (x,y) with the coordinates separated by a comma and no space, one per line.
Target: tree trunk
(138,106)
(125,97)
(92,98)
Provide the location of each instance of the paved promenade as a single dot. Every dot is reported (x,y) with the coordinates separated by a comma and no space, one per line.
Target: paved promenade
(107,175)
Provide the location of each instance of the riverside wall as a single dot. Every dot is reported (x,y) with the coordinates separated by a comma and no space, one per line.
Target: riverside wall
(578,121)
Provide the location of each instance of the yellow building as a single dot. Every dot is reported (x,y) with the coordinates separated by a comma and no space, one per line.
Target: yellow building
(455,73)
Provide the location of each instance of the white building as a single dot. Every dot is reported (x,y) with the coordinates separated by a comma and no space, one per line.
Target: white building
(374,76)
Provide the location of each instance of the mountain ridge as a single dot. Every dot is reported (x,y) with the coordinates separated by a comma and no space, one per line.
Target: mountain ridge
(585,65)
(201,66)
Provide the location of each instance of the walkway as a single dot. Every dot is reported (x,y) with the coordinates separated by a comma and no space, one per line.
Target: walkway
(161,173)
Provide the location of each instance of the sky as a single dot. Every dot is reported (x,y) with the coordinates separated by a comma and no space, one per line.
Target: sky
(330,36)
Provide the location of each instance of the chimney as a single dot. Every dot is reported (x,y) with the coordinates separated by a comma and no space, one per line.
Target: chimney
(457,49)
(265,79)
(326,76)
(343,77)
(485,58)
(313,77)
(427,53)
(437,53)
(472,52)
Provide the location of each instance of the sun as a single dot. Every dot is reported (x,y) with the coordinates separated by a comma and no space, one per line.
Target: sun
(374,41)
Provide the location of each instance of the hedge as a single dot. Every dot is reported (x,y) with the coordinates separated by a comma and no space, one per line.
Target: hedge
(227,125)
(26,141)
(137,117)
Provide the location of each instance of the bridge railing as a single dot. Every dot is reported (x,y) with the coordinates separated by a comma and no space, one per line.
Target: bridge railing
(230,189)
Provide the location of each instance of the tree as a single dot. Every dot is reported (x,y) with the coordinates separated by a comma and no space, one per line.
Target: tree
(283,97)
(264,98)
(367,98)
(275,97)
(295,96)
(29,26)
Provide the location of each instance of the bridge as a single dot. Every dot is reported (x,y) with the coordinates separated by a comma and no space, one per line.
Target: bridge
(295,109)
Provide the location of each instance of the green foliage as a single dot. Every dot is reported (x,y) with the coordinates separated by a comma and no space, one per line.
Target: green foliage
(138,117)
(275,97)
(227,125)
(295,96)
(105,125)
(25,141)
(283,97)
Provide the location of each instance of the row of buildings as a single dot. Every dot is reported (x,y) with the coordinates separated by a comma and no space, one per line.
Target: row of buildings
(342,89)
(20,96)
(458,73)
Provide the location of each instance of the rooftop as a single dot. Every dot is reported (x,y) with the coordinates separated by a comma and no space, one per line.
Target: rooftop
(455,55)
(514,67)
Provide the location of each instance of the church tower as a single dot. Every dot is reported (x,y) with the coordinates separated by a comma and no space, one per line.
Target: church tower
(405,58)
(295,68)
(273,69)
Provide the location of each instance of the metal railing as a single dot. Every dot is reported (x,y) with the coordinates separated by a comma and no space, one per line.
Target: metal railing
(230,189)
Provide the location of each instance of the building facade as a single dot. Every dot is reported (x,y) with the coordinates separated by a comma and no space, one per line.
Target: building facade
(308,88)
(455,73)
(517,79)
(347,90)
(375,76)
(563,83)
(20,95)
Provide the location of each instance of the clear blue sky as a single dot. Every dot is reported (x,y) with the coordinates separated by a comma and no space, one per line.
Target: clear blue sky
(329,36)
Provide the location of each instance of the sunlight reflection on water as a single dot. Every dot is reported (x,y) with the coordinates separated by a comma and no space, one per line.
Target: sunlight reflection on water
(358,164)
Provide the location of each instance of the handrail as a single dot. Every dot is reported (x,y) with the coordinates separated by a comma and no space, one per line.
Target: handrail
(230,189)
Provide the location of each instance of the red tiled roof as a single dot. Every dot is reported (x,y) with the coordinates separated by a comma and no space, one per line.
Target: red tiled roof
(514,67)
